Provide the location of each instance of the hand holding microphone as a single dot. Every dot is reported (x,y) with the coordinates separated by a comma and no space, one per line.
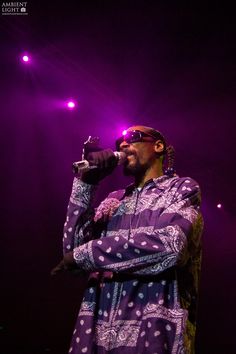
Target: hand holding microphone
(97,163)
(101,164)
(98,159)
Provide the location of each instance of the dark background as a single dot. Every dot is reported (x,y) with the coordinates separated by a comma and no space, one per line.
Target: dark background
(170,65)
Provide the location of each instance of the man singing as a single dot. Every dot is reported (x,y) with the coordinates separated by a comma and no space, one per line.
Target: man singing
(142,250)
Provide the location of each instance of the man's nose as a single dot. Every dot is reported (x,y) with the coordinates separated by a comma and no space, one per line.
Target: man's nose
(124,145)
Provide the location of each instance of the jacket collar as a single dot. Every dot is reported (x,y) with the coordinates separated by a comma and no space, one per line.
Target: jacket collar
(159,182)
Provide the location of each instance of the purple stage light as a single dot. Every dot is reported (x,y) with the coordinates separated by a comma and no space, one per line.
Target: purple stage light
(25,58)
(71,104)
(219,205)
(124,132)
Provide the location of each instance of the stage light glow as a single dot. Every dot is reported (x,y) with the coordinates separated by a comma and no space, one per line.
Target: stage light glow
(71,104)
(25,58)
(219,205)
(124,132)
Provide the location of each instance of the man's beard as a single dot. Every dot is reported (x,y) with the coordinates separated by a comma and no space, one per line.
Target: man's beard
(134,170)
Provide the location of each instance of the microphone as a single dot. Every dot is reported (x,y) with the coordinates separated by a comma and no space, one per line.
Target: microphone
(84,165)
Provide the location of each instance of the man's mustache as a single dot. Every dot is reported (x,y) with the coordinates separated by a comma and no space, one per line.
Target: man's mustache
(128,152)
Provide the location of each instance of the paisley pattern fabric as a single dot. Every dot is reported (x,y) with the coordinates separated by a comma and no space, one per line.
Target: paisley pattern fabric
(142,249)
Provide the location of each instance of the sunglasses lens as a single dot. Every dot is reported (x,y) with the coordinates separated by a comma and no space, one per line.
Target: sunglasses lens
(132,137)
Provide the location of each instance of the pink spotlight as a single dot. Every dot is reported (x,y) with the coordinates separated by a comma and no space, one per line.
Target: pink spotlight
(25,58)
(124,132)
(219,205)
(71,104)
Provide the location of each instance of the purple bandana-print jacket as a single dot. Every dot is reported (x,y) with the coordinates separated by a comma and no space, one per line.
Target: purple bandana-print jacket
(142,249)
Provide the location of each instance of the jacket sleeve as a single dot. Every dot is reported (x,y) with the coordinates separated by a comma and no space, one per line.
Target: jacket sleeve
(175,237)
(79,218)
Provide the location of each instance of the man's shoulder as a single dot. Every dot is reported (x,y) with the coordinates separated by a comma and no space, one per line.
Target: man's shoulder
(181,184)
(186,188)
(179,181)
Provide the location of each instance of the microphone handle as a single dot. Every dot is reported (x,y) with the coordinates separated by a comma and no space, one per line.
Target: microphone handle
(82,166)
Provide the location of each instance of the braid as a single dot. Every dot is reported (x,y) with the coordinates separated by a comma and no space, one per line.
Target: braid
(170,155)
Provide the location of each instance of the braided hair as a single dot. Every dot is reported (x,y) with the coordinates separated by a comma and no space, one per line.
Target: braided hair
(169,161)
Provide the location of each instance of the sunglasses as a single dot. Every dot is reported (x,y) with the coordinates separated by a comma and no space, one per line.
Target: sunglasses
(133,136)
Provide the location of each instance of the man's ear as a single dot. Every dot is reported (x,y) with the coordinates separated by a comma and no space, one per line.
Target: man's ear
(159,146)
